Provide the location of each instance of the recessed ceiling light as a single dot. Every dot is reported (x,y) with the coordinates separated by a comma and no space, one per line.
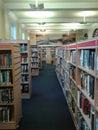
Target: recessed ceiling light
(40,14)
(86,13)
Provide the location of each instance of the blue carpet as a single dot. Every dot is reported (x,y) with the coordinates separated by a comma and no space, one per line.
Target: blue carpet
(47,109)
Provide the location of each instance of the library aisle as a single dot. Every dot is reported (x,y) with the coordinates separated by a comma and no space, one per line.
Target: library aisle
(47,109)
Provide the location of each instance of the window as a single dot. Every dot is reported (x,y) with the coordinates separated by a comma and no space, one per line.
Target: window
(23,36)
(13,31)
(28,37)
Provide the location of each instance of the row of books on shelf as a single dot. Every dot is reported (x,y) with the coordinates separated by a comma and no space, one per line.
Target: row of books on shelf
(72,86)
(87,83)
(82,123)
(5,60)
(80,120)
(34,49)
(24,59)
(24,78)
(34,59)
(86,108)
(72,72)
(87,58)
(34,54)
(5,77)
(34,64)
(73,56)
(23,47)
(66,77)
(60,53)
(6,95)
(24,88)
(84,103)
(24,68)
(5,114)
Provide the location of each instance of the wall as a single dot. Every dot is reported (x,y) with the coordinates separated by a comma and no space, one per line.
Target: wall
(7,24)
(1,23)
(32,39)
(18,31)
(6,18)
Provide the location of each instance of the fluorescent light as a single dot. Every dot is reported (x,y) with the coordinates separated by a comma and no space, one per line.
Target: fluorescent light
(71,24)
(39,14)
(86,13)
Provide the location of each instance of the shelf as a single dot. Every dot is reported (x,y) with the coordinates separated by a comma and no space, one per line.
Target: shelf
(86,95)
(35,60)
(11,125)
(89,71)
(86,118)
(74,77)
(10,94)
(26,67)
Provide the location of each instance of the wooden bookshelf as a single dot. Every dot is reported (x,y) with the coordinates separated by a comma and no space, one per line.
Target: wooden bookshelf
(77,72)
(25,68)
(40,57)
(25,57)
(10,93)
(34,60)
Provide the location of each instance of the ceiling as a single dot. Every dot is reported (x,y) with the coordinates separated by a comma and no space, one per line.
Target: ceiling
(57,16)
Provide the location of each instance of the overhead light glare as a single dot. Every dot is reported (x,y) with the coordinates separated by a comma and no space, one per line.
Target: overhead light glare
(40,14)
(71,24)
(86,13)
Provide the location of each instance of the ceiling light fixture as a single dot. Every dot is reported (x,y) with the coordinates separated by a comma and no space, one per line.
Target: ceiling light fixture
(42,23)
(37,6)
(43,30)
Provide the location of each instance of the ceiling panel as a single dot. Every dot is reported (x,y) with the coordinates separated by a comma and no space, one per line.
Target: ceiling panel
(54,14)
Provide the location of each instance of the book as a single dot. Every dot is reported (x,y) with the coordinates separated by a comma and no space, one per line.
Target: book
(92,118)
(92,59)
(91,82)
(81,58)
(22,48)
(96,123)
(86,55)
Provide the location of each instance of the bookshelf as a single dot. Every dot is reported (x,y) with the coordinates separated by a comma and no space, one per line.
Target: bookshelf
(25,68)
(53,54)
(47,54)
(40,57)
(34,60)
(10,94)
(25,57)
(77,72)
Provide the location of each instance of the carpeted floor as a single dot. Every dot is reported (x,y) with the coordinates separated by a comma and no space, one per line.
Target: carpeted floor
(47,108)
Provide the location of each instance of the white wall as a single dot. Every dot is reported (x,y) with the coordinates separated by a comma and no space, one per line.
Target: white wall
(1,23)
